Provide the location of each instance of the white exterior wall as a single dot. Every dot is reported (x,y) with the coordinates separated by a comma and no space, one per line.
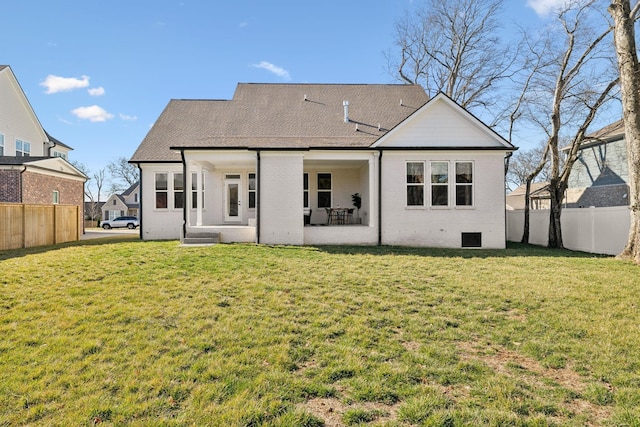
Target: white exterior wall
(440,226)
(281,187)
(159,224)
(17,119)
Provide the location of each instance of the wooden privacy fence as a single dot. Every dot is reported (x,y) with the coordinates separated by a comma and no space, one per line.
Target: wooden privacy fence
(25,226)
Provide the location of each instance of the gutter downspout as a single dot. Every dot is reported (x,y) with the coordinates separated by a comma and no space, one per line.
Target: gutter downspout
(141,204)
(184,195)
(507,157)
(259,179)
(380,198)
(24,168)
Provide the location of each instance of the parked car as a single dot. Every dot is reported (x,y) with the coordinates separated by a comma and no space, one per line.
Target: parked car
(121,221)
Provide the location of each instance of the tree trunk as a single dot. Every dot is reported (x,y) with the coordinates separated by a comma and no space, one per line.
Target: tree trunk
(624,40)
(556,191)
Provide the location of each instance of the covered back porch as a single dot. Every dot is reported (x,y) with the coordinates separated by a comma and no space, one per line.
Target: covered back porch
(276,197)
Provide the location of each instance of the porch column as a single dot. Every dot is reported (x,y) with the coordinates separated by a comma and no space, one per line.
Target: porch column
(373,189)
(188,185)
(199,190)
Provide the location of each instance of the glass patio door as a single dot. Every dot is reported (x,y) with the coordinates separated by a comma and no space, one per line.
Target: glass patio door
(232,196)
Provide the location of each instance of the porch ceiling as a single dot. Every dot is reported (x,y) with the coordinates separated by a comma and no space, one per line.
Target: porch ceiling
(335,164)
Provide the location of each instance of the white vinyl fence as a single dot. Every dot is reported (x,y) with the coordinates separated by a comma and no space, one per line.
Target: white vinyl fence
(595,230)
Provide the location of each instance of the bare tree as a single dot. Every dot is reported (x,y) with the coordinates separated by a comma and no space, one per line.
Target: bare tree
(629,68)
(123,174)
(451,46)
(524,162)
(92,190)
(569,91)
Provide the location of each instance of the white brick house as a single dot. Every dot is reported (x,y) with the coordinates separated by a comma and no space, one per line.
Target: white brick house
(428,173)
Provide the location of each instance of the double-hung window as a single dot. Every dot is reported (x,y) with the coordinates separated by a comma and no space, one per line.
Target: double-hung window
(324,190)
(464,183)
(305,188)
(1,144)
(439,183)
(194,190)
(178,190)
(415,183)
(252,190)
(162,190)
(23,148)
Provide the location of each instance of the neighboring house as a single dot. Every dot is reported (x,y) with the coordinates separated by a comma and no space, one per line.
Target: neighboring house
(33,165)
(247,169)
(599,176)
(125,204)
(539,197)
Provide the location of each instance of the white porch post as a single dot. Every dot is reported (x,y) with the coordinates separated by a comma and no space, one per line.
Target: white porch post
(373,189)
(188,182)
(199,190)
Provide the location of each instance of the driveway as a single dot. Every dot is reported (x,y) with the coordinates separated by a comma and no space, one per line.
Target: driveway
(98,233)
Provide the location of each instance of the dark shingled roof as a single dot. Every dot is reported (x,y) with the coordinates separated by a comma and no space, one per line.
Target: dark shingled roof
(610,132)
(19,160)
(296,116)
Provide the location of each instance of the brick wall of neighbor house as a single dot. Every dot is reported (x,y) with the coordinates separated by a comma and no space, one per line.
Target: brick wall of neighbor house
(10,186)
(38,189)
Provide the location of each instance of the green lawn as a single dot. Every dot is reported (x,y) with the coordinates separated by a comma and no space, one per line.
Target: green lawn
(124,332)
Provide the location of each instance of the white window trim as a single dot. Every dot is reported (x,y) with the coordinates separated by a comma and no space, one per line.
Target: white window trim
(318,190)
(172,190)
(448,185)
(249,191)
(155,191)
(200,176)
(23,151)
(472,185)
(425,193)
(307,190)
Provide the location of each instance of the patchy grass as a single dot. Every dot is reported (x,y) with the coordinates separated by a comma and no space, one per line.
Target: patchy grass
(118,332)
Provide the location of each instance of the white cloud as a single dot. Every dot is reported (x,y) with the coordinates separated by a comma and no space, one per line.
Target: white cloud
(96,91)
(93,113)
(56,84)
(544,7)
(128,118)
(278,71)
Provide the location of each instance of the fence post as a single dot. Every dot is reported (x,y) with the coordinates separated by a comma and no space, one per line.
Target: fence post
(24,225)
(592,211)
(55,224)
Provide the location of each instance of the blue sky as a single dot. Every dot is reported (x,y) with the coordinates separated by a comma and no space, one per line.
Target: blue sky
(99,73)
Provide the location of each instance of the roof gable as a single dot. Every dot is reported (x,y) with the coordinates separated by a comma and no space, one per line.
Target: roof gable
(55,164)
(17,105)
(442,123)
